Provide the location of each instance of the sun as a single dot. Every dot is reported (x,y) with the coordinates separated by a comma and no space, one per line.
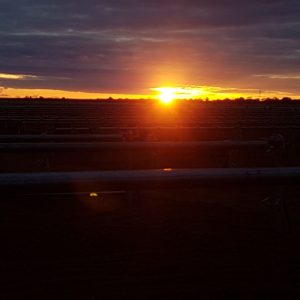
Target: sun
(167,95)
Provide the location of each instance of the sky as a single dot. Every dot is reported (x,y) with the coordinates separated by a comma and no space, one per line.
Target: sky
(131,48)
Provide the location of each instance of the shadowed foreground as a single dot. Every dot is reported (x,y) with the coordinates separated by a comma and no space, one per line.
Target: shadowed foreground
(170,244)
(211,241)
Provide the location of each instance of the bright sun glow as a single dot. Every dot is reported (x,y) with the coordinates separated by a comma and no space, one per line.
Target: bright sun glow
(167,95)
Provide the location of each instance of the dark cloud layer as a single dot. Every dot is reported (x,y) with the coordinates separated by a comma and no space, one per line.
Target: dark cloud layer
(129,46)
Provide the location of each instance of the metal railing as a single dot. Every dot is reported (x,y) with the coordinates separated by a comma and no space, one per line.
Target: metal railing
(146,179)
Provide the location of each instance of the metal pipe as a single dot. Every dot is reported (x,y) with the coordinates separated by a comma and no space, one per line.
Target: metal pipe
(57,137)
(43,147)
(146,179)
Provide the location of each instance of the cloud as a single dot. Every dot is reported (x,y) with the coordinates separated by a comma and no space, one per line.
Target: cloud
(17,76)
(131,46)
(278,76)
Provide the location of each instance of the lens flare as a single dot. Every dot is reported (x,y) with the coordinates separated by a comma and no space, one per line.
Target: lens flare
(94,195)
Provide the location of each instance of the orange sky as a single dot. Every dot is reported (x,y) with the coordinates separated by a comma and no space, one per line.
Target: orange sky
(179,92)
